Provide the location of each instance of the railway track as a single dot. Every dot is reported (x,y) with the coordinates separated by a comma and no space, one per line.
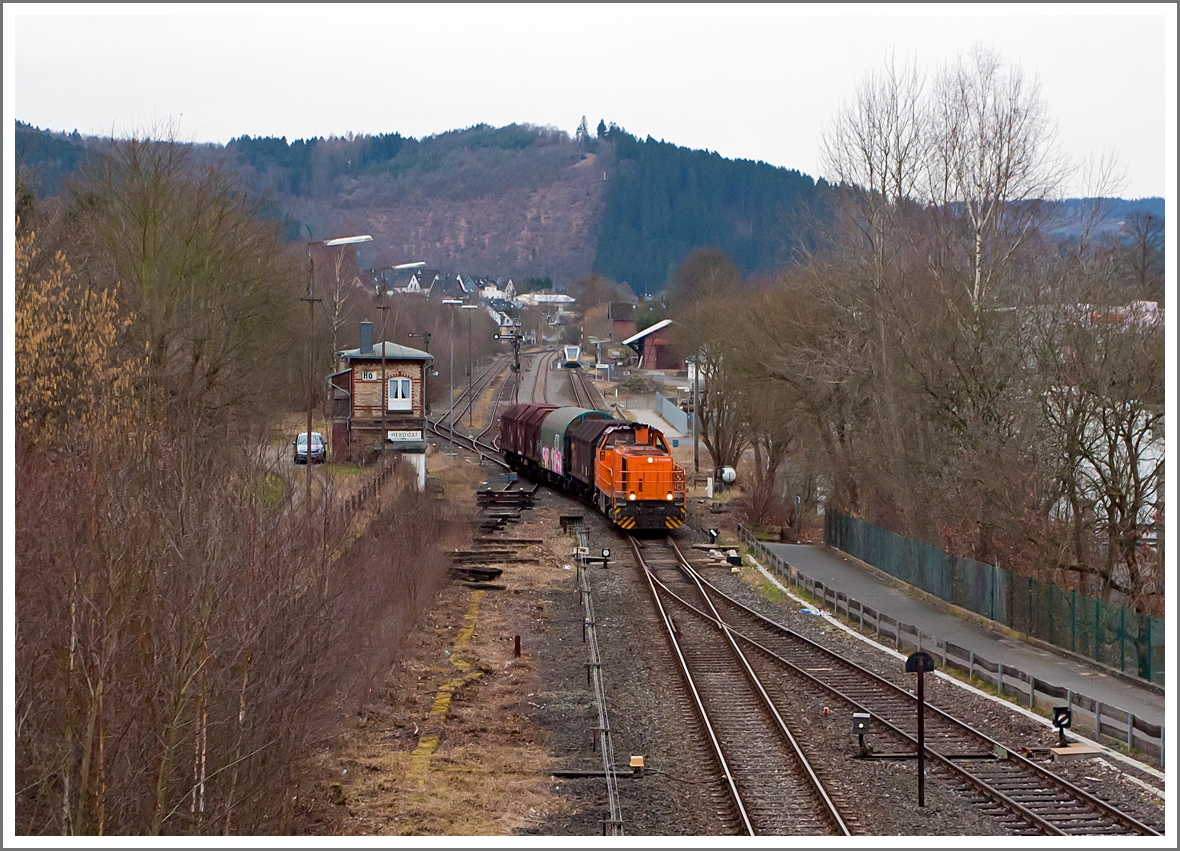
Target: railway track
(467,398)
(773,788)
(581,396)
(1030,798)
(485,442)
(543,363)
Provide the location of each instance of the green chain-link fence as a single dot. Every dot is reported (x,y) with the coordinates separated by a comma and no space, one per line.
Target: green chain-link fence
(1108,633)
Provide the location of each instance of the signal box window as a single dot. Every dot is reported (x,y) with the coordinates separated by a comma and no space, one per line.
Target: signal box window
(399,395)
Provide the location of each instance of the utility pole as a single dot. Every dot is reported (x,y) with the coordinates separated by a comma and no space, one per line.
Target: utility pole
(384,308)
(310,370)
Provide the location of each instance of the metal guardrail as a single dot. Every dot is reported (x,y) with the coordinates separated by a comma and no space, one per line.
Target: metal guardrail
(1110,721)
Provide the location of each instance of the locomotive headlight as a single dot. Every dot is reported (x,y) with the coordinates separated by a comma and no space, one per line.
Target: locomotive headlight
(669,496)
(631,495)
(651,460)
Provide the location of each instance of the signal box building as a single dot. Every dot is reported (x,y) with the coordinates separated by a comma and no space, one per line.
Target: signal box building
(359,394)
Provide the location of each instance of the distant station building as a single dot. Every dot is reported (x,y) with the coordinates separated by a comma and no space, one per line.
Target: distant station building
(654,347)
(358,394)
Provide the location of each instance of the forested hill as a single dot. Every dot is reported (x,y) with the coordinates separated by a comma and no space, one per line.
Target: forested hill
(664,201)
(518,200)
(515,200)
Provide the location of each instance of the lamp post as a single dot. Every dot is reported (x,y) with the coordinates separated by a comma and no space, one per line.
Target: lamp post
(451,415)
(309,298)
(470,364)
(400,267)
(384,308)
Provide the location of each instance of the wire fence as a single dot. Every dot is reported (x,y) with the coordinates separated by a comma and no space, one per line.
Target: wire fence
(1110,634)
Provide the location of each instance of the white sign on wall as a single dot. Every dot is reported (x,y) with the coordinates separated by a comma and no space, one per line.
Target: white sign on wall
(403,436)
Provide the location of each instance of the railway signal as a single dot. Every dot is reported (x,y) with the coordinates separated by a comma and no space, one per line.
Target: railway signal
(919,663)
(1062,720)
(514,338)
(860,726)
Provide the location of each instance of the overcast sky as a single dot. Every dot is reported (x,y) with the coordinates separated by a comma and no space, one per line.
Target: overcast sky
(756,82)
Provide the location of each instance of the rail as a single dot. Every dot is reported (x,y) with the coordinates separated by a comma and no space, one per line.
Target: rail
(750,737)
(614,822)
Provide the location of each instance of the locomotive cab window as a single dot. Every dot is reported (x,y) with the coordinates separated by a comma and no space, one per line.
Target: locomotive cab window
(621,438)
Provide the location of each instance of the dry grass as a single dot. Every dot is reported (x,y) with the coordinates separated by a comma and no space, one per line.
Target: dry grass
(489,774)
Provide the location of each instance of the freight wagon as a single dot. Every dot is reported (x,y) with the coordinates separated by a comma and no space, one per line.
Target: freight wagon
(624,469)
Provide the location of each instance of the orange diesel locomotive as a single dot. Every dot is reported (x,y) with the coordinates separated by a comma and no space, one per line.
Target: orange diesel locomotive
(625,469)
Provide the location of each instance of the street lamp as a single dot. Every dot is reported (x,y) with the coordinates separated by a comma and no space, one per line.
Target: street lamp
(451,415)
(400,267)
(330,243)
(384,308)
(470,367)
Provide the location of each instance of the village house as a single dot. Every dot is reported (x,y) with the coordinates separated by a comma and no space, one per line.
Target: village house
(409,281)
(622,318)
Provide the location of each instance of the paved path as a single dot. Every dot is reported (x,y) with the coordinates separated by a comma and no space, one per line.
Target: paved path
(842,574)
(638,413)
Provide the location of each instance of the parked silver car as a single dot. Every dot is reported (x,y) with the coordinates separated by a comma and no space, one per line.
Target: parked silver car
(319,453)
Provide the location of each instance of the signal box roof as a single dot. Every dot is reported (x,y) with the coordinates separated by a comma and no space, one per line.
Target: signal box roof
(393,351)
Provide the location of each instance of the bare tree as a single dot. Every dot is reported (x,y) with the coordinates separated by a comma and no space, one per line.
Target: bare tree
(210,287)
(876,149)
(701,289)
(177,636)
(993,166)
(343,288)
(1146,253)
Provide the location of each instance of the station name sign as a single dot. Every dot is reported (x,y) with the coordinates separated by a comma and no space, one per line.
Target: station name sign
(403,436)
